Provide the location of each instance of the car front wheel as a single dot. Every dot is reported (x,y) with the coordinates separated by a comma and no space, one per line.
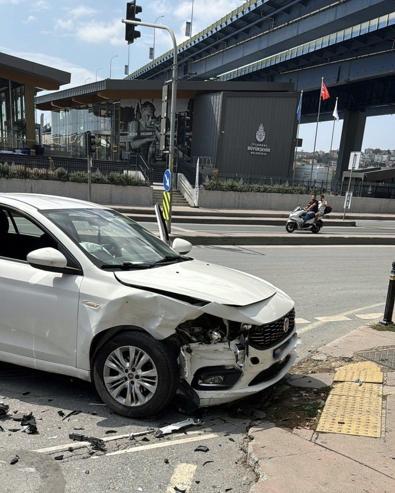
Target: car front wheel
(135,375)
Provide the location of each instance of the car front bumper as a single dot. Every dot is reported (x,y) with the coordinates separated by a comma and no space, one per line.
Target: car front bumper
(273,364)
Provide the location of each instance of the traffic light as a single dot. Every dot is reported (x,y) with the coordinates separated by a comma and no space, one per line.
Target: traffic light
(131,11)
(91,143)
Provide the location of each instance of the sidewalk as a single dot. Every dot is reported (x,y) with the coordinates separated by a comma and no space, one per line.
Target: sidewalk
(302,460)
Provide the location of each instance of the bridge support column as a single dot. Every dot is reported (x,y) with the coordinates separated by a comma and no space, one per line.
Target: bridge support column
(351,139)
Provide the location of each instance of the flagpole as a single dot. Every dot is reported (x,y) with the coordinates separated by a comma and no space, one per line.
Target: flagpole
(333,133)
(316,130)
(299,115)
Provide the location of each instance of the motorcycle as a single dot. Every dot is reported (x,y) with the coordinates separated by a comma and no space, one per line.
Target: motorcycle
(296,222)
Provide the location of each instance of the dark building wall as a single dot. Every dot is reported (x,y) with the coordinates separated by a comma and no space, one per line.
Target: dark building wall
(257,135)
(206,124)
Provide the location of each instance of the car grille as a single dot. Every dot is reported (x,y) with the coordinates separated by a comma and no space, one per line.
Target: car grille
(269,373)
(268,335)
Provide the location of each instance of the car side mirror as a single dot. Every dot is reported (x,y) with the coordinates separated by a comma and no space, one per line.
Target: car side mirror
(182,247)
(48,259)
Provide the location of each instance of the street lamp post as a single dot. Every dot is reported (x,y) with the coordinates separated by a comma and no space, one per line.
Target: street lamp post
(173,100)
(112,58)
(97,70)
(153,48)
(193,4)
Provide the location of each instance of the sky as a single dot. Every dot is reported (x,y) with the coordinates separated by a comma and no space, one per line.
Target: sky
(82,36)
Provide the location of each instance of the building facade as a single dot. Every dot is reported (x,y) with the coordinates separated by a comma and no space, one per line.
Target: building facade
(243,129)
(20,80)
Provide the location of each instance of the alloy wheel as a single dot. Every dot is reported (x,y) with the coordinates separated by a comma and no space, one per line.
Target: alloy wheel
(130,376)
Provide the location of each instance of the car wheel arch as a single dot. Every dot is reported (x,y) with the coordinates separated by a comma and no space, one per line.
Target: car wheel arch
(106,335)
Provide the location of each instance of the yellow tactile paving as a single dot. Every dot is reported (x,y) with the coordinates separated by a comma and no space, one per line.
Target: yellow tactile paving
(354,405)
(364,371)
(353,389)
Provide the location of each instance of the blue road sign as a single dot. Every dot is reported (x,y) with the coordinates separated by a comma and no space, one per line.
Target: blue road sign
(167,180)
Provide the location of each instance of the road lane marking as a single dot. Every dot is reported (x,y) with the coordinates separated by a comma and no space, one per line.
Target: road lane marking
(369,316)
(333,318)
(182,478)
(79,445)
(317,324)
(301,321)
(181,441)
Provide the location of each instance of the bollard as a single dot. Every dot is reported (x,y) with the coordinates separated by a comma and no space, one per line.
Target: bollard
(389,304)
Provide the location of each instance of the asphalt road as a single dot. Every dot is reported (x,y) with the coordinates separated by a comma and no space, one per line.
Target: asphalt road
(345,284)
(365,228)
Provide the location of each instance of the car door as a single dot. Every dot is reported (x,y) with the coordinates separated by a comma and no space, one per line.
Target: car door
(39,309)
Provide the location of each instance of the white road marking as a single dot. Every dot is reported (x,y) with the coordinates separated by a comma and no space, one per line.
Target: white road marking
(314,325)
(369,316)
(78,445)
(301,321)
(169,443)
(182,478)
(333,318)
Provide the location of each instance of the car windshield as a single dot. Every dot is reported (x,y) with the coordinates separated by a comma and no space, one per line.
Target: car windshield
(111,240)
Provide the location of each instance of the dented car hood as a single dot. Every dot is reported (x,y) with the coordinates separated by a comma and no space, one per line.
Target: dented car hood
(206,282)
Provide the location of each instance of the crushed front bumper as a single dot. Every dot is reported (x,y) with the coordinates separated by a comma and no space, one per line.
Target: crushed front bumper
(258,369)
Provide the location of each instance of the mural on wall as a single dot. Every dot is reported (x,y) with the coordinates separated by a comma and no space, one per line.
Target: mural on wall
(140,122)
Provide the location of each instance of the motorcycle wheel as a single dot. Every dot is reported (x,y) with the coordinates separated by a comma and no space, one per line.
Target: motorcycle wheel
(290,227)
(315,228)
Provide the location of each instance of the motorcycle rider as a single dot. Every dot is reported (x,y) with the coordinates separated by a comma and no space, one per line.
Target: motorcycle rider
(311,208)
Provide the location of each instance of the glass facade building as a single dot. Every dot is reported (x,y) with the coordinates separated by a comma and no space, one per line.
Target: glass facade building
(12,115)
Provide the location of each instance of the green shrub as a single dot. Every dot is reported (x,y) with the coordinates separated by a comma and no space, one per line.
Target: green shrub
(240,186)
(61,174)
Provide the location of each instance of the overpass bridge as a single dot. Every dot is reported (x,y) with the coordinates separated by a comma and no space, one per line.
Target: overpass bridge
(351,43)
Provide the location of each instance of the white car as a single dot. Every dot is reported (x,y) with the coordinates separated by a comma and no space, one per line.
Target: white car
(87,292)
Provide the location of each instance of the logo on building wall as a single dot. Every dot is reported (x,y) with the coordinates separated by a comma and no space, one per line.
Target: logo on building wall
(260,134)
(258,148)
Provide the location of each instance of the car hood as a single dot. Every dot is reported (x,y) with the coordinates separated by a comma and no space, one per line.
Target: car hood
(206,282)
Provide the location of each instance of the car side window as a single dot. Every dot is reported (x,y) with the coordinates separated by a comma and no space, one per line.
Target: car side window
(19,235)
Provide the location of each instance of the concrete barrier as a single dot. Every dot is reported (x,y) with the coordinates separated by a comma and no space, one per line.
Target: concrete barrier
(283,202)
(101,193)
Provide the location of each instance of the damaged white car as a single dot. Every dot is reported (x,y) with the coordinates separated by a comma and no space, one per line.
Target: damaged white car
(87,292)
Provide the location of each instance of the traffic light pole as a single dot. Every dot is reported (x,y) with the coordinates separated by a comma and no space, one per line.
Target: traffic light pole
(173,101)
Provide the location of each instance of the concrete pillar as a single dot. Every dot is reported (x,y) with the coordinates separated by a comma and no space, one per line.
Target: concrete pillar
(29,116)
(351,139)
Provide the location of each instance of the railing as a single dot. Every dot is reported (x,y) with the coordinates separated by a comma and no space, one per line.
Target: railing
(186,189)
(144,168)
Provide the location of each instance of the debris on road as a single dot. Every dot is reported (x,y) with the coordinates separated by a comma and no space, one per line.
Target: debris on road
(72,413)
(181,425)
(59,457)
(179,490)
(202,448)
(29,423)
(14,460)
(61,413)
(96,443)
(207,462)
(108,432)
(4,408)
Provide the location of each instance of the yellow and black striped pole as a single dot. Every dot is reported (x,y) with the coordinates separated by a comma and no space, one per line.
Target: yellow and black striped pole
(166,207)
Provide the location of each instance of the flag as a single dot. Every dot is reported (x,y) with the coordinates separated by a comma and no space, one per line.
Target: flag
(299,108)
(324,95)
(335,112)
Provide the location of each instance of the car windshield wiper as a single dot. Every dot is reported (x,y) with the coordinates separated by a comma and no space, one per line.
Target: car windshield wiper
(126,266)
(170,259)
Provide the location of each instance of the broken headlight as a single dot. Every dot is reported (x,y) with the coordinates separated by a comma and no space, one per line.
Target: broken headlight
(206,329)
(215,378)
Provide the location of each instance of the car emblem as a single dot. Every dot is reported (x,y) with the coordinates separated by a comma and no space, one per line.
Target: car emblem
(286,325)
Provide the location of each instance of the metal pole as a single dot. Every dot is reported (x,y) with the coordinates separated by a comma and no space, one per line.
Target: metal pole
(348,190)
(389,304)
(128,59)
(154,44)
(193,2)
(173,101)
(197,182)
(316,130)
(90,161)
(112,58)
(11,115)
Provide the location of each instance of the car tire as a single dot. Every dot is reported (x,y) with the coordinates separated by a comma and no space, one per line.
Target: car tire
(159,360)
(290,227)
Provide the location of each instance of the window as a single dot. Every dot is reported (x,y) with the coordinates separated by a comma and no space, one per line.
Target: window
(19,236)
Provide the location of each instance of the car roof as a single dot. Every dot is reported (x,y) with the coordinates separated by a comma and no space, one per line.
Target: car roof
(46,202)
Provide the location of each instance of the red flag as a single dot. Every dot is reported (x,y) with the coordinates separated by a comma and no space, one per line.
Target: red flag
(324,92)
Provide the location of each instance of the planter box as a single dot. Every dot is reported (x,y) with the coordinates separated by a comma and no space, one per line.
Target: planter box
(101,194)
(287,202)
